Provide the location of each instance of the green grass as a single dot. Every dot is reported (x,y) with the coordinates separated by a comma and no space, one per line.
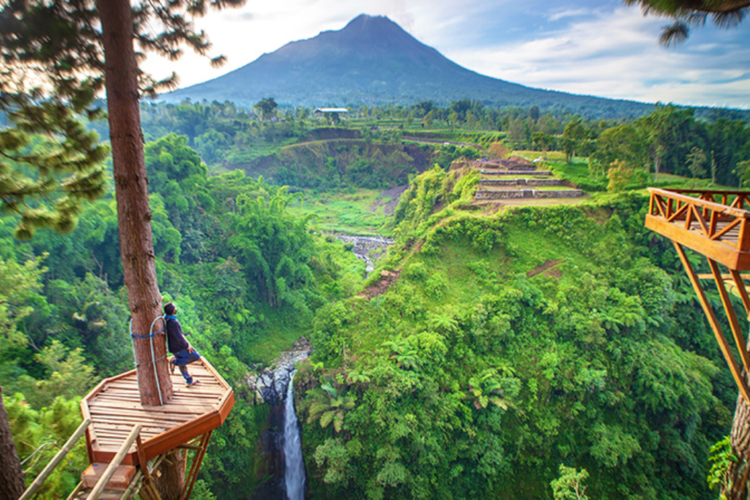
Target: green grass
(345,212)
(533,155)
(281,332)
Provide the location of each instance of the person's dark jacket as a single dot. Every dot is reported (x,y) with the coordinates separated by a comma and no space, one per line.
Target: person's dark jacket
(176,341)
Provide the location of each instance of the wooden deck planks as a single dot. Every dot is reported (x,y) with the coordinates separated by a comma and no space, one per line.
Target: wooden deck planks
(115,407)
(730,236)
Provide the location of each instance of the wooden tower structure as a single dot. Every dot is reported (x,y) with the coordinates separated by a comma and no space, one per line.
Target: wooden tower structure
(716,224)
(126,441)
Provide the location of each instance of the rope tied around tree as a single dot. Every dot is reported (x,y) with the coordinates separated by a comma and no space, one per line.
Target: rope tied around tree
(150,336)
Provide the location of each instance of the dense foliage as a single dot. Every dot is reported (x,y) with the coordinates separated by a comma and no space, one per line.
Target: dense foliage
(228,252)
(366,150)
(512,345)
(526,353)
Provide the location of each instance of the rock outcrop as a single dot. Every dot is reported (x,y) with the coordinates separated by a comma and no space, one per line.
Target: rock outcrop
(269,385)
(367,248)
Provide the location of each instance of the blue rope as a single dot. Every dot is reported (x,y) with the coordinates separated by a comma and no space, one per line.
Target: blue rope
(153,356)
(133,335)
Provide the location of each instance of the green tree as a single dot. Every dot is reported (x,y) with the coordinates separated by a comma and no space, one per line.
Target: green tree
(534,113)
(572,139)
(266,108)
(621,142)
(429,118)
(273,246)
(696,161)
(329,405)
(40,435)
(75,49)
(569,484)
(743,172)
(66,374)
(11,474)
(667,130)
(212,146)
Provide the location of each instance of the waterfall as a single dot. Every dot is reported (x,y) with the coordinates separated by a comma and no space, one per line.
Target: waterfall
(294,467)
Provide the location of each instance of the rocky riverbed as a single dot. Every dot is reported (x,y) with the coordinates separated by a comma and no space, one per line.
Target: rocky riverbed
(367,248)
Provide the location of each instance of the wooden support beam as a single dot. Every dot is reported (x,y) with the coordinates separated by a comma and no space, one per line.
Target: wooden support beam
(196,466)
(148,482)
(104,480)
(31,490)
(132,490)
(714,322)
(189,447)
(739,338)
(742,290)
(725,276)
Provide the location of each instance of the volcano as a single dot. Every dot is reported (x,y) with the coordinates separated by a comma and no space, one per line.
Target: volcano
(374,61)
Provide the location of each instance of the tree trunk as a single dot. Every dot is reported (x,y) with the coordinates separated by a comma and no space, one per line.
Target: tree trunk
(131,190)
(171,476)
(134,216)
(12,485)
(737,476)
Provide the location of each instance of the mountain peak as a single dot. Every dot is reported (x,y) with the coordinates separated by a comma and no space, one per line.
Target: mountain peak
(366,30)
(363,20)
(371,60)
(368,23)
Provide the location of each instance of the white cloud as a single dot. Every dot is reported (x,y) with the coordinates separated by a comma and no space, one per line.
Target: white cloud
(568,13)
(615,55)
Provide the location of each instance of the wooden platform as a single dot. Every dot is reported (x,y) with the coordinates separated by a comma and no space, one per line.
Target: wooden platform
(114,408)
(713,223)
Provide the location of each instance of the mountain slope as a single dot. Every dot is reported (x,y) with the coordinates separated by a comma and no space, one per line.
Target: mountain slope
(373,60)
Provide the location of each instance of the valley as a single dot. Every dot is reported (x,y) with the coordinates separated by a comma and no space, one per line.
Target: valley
(461,344)
(444,289)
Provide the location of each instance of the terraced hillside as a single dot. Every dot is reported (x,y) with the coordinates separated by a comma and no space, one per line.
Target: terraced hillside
(516,179)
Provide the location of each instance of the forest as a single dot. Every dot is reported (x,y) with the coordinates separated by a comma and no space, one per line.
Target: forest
(521,350)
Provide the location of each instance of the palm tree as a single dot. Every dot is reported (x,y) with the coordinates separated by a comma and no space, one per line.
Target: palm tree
(404,353)
(488,387)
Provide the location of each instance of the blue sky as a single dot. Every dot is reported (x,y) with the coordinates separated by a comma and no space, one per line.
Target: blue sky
(593,47)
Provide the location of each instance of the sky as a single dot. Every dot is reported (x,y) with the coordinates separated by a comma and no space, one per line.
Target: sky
(591,47)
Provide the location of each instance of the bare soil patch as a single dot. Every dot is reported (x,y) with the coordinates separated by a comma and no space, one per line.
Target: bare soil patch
(544,267)
(389,206)
(387,279)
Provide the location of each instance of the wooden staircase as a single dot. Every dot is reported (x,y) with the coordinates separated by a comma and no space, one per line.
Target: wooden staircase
(114,481)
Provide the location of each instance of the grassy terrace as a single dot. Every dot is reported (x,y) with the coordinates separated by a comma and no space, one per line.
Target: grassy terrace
(484,187)
(359,213)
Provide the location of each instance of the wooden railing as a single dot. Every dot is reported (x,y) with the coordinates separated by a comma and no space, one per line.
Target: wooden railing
(713,214)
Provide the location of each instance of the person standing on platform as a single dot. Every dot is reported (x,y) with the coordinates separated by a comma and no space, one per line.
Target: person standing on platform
(184,353)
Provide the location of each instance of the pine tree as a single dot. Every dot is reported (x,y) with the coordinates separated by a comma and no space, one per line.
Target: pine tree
(687,13)
(57,55)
